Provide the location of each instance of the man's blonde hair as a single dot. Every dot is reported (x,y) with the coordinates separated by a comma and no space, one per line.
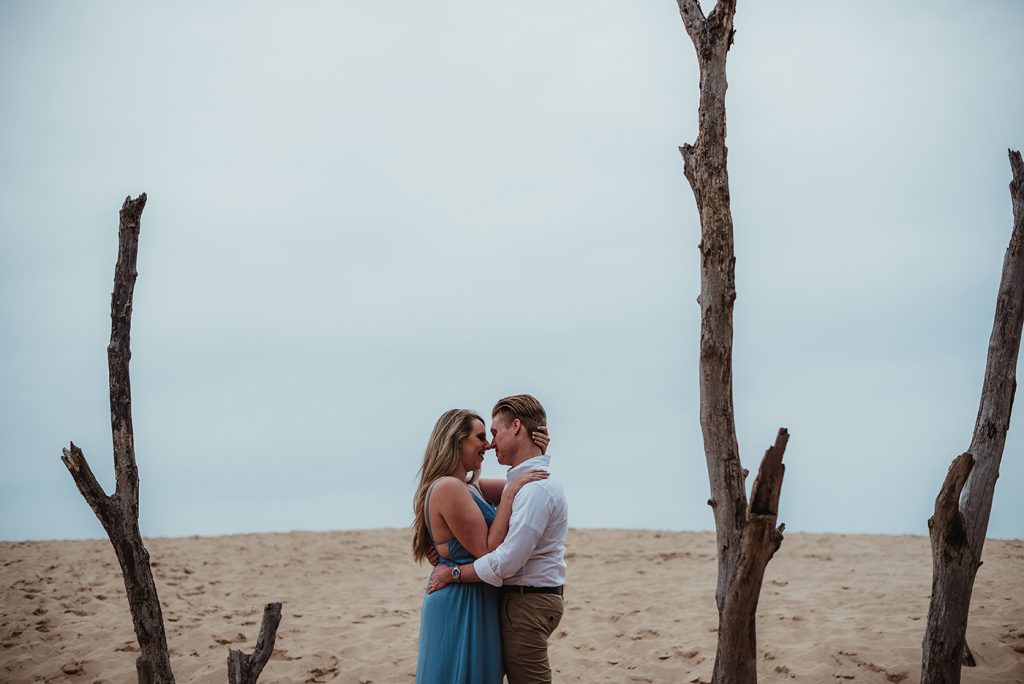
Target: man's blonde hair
(524,407)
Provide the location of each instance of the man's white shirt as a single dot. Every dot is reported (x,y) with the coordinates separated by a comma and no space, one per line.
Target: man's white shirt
(533,553)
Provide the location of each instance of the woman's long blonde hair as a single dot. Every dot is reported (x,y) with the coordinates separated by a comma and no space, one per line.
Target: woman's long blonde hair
(441,458)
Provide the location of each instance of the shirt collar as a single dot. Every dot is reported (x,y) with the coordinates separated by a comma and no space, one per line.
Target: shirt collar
(542,461)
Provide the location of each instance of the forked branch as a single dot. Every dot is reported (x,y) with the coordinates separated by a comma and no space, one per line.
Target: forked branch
(246,669)
(947,524)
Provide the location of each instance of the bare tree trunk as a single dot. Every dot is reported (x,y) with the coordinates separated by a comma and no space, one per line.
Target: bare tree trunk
(119,513)
(962,509)
(747,536)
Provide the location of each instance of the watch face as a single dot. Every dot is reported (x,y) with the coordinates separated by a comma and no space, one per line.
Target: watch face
(456,573)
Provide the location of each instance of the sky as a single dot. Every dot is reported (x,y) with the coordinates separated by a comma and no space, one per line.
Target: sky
(363,214)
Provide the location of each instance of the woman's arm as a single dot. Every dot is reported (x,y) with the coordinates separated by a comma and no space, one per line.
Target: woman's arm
(463,518)
(460,515)
(491,488)
(499,526)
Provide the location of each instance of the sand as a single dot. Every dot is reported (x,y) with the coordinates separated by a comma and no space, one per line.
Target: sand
(639,608)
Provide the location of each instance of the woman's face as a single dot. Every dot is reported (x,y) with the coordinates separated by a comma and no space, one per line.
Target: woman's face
(472,448)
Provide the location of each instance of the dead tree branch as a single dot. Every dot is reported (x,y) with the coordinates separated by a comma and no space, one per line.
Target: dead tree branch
(747,537)
(246,669)
(962,508)
(119,513)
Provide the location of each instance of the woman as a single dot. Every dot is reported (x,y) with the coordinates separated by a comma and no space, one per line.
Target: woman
(457,520)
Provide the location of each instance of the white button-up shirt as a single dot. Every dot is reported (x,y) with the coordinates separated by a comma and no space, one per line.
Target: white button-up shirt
(533,553)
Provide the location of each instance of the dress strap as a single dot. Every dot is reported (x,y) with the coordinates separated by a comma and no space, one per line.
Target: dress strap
(426,514)
(474,490)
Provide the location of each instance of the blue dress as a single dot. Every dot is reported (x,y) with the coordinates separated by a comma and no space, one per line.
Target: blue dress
(460,632)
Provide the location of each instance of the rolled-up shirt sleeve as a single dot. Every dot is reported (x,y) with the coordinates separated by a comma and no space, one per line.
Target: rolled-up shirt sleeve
(530,511)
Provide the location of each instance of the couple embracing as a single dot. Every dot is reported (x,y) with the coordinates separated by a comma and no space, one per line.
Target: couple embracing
(495,594)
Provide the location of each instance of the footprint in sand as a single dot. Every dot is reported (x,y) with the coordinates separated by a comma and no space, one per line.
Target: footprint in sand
(844,658)
(644,633)
(71,668)
(1011,636)
(783,670)
(320,675)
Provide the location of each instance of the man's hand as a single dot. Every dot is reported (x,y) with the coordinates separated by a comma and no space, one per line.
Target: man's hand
(440,578)
(432,556)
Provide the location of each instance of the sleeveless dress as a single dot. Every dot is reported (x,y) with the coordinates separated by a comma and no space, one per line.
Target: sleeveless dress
(460,631)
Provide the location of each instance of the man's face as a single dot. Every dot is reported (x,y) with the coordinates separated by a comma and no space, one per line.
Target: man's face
(503,439)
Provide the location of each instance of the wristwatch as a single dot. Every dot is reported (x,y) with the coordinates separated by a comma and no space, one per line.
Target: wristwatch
(456,574)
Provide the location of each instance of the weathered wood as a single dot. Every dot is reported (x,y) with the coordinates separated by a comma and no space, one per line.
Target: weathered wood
(1000,382)
(968,659)
(144,671)
(952,559)
(119,513)
(246,669)
(705,169)
(736,654)
(90,488)
(747,537)
(962,508)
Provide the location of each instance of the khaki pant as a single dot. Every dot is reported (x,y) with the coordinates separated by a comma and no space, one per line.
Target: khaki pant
(527,620)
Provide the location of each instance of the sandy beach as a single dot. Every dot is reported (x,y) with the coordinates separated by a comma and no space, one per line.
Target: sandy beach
(639,608)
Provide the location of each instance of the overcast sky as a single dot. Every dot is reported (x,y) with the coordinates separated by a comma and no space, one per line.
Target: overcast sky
(363,214)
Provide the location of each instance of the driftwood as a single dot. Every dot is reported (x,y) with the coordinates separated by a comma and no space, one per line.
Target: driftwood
(119,513)
(962,508)
(747,536)
(246,669)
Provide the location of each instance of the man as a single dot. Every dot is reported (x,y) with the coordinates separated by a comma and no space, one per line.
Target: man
(529,565)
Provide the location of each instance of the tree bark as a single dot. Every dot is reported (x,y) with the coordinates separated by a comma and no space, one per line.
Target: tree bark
(746,535)
(962,508)
(119,514)
(246,669)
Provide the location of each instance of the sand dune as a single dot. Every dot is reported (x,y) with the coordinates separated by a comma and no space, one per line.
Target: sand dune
(639,608)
